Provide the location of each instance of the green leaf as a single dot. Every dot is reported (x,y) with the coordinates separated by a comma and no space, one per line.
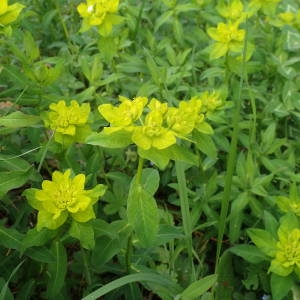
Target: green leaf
(138,277)
(150,180)
(280,286)
(163,18)
(199,287)
(271,223)
(142,213)
(205,144)
(57,270)
(249,253)
(10,163)
(236,216)
(12,180)
(158,157)
(167,233)
(37,238)
(105,249)
(18,119)
(31,49)
(4,290)
(84,232)
(292,41)
(117,139)
(183,154)
(11,238)
(263,240)
(40,254)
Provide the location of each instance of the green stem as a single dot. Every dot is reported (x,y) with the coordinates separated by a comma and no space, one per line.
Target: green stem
(139,170)
(86,267)
(45,152)
(231,159)
(128,254)
(138,21)
(185,211)
(296,292)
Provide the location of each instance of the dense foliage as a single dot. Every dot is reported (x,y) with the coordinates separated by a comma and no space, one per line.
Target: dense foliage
(149,149)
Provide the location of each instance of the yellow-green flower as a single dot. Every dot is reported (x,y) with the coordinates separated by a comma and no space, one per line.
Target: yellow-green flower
(62,197)
(287,257)
(152,133)
(267,6)
(68,122)
(282,250)
(210,101)
(123,116)
(183,119)
(287,18)
(228,37)
(9,13)
(100,13)
(233,11)
(157,105)
(291,203)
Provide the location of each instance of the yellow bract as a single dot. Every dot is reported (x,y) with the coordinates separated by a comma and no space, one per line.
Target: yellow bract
(288,18)
(287,257)
(183,119)
(126,113)
(267,6)
(152,133)
(286,204)
(68,122)
(228,37)
(100,13)
(9,13)
(61,197)
(160,125)
(233,11)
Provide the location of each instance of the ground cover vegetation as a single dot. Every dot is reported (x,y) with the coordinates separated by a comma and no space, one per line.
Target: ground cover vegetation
(149,149)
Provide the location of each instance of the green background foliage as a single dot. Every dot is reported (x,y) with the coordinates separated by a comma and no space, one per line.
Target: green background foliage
(180,223)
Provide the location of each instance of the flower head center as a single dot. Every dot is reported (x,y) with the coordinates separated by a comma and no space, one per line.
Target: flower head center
(65,196)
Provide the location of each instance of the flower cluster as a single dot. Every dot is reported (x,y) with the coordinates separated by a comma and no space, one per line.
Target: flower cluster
(99,13)
(289,204)
(61,197)
(291,18)
(160,125)
(287,256)
(228,37)
(8,14)
(68,122)
(268,7)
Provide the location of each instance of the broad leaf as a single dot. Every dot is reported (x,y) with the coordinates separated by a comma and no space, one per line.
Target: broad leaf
(142,213)
(84,232)
(13,179)
(57,270)
(280,286)
(249,253)
(18,119)
(199,287)
(263,240)
(11,238)
(117,139)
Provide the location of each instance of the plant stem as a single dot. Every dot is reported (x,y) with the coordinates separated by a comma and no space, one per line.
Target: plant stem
(45,152)
(185,211)
(138,21)
(231,159)
(139,170)
(296,292)
(86,267)
(128,254)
